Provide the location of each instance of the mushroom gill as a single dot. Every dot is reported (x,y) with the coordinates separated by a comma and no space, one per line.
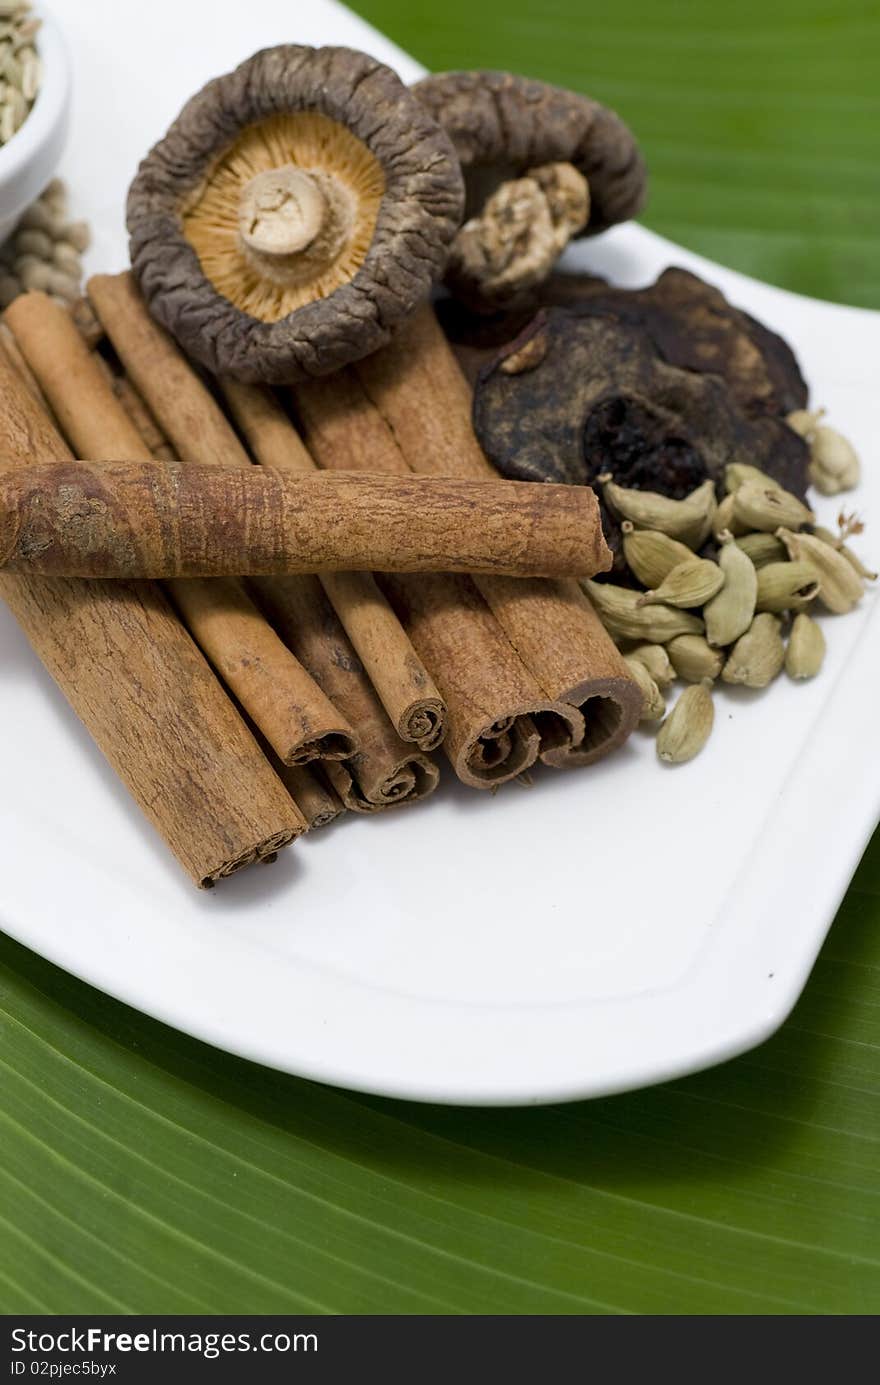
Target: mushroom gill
(287,215)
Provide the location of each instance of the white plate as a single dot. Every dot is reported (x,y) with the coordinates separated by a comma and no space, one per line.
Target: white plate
(606,929)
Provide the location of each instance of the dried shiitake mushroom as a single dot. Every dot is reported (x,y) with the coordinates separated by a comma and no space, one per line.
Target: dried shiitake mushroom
(296,210)
(541,165)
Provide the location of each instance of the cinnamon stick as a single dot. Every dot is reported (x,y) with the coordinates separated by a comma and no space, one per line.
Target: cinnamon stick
(497,712)
(418,389)
(405,688)
(293,713)
(385,770)
(161,519)
(317,802)
(146,695)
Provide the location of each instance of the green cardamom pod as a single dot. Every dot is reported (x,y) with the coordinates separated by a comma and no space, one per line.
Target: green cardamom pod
(656,661)
(620,613)
(840,586)
(694,659)
(688,726)
(650,555)
(833,461)
(653,703)
(688,520)
(766,507)
(786,587)
(729,614)
(689,584)
(837,543)
(762,548)
(804,421)
(725,521)
(806,648)
(758,655)
(737,474)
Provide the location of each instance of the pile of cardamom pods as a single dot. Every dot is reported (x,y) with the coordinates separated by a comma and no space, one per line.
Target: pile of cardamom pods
(45,250)
(741,616)
(20,73)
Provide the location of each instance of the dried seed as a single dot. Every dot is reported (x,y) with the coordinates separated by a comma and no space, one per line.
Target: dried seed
(31,73)
(38,217)
(694,659)
(30,242)
(688,584)
(834,464)
(786,587)
(65,257)
(758,655)
(688,520)
(650,555)
(766,507)
(806,648)
(737,474)
(34,274)
(761,548)
(729,614)
(11,69)
(688,726)
(10,288)
(7,122)
(620,613)
(653,703)
(63,285)
(725,521)
(77,233)
(837,543)
(840,586)
(805,421)
(656,661)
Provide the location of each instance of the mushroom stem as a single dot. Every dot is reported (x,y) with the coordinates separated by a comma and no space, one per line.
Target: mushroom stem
(282,210)
(520,233)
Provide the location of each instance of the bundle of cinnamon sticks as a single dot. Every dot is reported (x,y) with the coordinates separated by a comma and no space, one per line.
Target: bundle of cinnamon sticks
(211,690)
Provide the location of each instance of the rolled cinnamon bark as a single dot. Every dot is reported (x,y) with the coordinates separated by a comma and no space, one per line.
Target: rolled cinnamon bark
(161,519)
(291,711)
(406,689)
(499,717)
(417,387)
(317,802)
(146,695)
(497,724)
(385,771)
(187,413)
(297,719)
(388,773)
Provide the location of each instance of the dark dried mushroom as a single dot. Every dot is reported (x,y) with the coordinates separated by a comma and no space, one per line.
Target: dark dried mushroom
(598,397)
(690,322)
(541,165)
(297,209)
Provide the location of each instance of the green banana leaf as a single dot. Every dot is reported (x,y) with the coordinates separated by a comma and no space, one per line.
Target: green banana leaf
(141,1171)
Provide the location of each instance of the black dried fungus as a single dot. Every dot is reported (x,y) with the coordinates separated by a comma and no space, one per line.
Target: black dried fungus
(604,399)
(690,322)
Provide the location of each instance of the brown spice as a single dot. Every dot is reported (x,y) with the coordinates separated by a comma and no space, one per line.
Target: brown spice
(405,688)
(385,771)
(160,519)
(418,388)
(290,710)
(492,700)
(162,720)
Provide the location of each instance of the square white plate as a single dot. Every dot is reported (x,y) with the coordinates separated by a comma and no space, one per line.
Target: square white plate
(607,928)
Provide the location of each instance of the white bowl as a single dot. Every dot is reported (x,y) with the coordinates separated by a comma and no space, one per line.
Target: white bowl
(29,159)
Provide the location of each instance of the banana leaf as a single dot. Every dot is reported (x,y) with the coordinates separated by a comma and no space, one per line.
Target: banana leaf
(142,1171)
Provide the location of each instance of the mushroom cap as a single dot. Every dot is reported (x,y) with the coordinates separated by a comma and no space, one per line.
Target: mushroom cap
(502,124)
(418,215)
